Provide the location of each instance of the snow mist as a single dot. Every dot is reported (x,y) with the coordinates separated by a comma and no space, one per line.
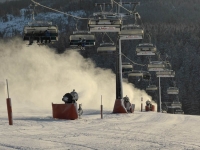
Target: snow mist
(38,76)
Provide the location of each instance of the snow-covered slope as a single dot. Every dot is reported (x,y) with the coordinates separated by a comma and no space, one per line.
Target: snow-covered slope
(10,24)
(36,129)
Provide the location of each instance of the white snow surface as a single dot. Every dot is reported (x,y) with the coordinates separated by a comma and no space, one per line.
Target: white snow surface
(17,23)
(34,128)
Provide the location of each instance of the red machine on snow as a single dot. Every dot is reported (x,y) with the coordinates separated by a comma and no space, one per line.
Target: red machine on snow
(123,106)
(68,110)
(149,106)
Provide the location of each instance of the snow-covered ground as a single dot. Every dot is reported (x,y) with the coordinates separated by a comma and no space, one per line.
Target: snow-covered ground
(36,129)
(12,24)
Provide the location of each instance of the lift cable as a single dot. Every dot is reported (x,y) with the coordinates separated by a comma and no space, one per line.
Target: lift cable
(109,37)
(122,6)
(132,61)
(70,14)
(58,10)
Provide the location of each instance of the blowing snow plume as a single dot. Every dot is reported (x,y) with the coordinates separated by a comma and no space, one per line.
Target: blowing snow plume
(38,76)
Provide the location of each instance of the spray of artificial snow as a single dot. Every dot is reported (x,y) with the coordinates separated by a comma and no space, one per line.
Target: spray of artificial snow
(38,76)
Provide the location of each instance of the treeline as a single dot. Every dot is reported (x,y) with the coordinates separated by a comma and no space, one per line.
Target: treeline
(152,11)
(13,7)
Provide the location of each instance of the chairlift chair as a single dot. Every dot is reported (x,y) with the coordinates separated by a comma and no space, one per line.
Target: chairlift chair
(156,66)
(40,31)
(175,108)
(127,67)
(146,76)
(131,31)
(166,73)
(178,111)
(151,88)
(105,14)
(78,37)
(146,49)
(172,90)
(106,48)
(176,104)
(135,73)
(104,24)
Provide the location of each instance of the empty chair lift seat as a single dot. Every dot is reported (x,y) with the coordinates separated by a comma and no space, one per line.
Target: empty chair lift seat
(106,48)
(127,67)
(152,88)
(146,49)
(131,31)
(156,66)
(175,108)
(135,73)
(104,25)
(166,73)
(172,90)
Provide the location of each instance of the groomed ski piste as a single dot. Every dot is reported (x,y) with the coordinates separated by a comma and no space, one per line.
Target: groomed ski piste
(36,129)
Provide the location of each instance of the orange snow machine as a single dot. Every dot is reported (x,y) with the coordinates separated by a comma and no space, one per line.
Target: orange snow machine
(149,106)
(123,106)
(68,110)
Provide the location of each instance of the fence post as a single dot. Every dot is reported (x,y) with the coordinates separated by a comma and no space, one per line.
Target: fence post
(9,106)
(101,108)
(141,104)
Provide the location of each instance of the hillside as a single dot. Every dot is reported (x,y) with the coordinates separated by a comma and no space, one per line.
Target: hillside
(174,26)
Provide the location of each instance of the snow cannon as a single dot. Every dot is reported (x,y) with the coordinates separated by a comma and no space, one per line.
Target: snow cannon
(70,97)
(149,106)
(123,106)
(129,107)
(68,110)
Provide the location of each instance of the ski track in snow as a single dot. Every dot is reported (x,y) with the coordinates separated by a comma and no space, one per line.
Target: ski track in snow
(141,130)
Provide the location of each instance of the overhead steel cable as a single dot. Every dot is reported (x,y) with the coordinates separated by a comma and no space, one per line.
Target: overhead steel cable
(122,6)
(58,11)
(70,14)
(109,37)
(132,61)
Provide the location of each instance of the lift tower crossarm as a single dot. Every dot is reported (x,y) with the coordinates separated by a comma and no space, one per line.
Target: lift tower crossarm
(104,5)
(98,4)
